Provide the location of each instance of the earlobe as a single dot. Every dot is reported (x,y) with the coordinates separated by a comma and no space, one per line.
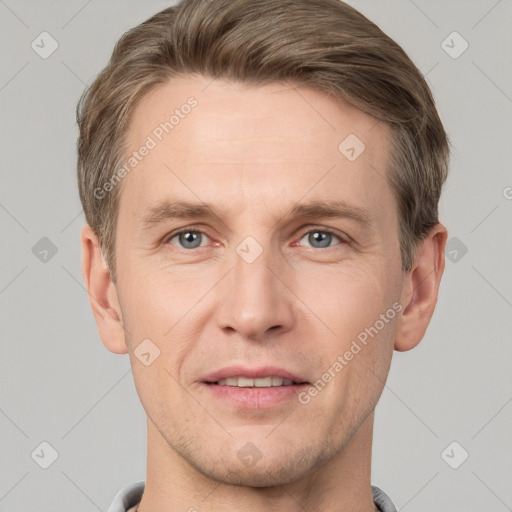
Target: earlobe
(102,293)
(420,289)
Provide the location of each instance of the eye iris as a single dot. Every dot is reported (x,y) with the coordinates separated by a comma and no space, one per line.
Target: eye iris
(190,239)
(324,239)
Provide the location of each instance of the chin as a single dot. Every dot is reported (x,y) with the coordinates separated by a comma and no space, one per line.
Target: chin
(281,469)
(255,477)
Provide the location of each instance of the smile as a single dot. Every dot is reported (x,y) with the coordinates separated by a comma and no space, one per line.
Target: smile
(262,382)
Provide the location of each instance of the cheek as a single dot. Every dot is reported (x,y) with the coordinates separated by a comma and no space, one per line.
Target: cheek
(162,313)
(353,330)
(157,299)
(348,298)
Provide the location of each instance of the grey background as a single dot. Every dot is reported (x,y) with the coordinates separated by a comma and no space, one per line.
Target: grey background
(60,385)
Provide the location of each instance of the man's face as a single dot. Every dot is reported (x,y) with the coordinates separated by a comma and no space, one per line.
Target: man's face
(265,287)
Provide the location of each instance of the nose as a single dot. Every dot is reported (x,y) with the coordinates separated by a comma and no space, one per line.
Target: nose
(256,302)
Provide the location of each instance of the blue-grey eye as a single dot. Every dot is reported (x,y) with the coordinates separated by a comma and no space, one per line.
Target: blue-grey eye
(320,239)
(189,239)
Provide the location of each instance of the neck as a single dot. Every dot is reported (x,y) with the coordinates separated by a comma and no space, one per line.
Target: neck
(340,485)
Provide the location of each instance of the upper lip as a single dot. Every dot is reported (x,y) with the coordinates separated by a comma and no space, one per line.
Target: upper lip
(251,373)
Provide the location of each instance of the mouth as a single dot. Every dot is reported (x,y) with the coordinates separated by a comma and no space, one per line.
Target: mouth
(254,388)
(260,382)
(245,377)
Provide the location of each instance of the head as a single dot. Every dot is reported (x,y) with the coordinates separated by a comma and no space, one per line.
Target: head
(301,152)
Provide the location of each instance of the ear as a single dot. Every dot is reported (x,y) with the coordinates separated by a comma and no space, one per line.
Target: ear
(102,293)
(420,289)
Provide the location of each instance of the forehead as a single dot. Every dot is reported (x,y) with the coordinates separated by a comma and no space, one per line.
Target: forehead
(217,140)
(242,110)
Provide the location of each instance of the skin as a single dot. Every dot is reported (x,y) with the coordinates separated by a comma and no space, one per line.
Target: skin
(255,153)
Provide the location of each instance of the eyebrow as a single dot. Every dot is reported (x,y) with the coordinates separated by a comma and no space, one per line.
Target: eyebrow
(169,209)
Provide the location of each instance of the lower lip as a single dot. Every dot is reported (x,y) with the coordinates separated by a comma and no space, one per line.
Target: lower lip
(256,398)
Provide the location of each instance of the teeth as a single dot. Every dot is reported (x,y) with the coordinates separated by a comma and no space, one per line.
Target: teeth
(264,382)
(245,383)
(260,382)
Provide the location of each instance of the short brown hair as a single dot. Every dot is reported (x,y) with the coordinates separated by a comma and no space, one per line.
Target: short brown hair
(324,44)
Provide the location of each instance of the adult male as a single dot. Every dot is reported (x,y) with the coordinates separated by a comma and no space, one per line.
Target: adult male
(260,181)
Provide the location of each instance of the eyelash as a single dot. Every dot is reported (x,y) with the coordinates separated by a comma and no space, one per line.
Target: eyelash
(192,229)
